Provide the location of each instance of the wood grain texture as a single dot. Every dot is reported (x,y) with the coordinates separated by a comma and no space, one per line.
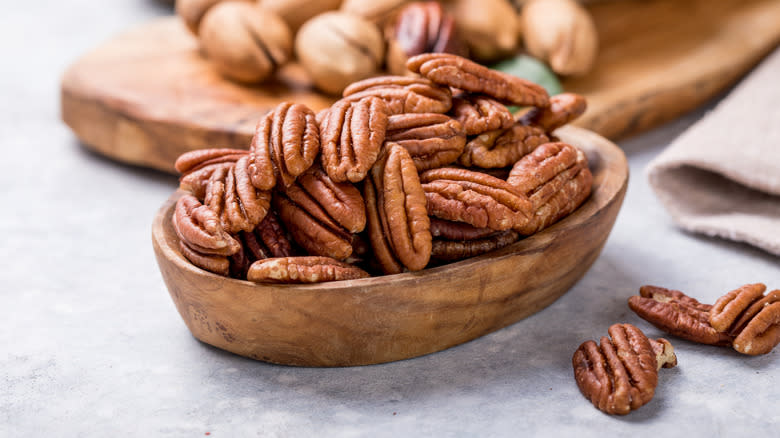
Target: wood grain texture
(395,317)
(148,95)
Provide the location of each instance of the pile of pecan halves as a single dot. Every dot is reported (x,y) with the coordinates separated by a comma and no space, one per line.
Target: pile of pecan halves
(402,173)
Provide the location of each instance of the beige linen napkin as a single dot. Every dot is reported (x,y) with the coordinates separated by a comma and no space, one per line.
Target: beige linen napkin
(721,177)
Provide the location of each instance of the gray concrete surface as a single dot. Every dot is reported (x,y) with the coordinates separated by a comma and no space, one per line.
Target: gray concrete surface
(93,346)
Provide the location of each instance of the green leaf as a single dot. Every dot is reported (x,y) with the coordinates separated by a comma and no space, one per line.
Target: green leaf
(527,67)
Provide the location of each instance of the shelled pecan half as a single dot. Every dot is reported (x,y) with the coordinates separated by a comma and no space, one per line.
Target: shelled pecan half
(202,239)
(232,196)
(564,108)
(556,179)
(464,74)
(620,374)
(403,94)
(677,314)
(475,198)
(321,214)
(351,135)
(268,240)
(197,166)
(286,142)
(451,250)
(398,223)
(752,318)
(457,230)
(307,269)
(480,114)
(433,140)
(502,147)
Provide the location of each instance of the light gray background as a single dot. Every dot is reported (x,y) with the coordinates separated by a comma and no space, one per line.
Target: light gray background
(93,346)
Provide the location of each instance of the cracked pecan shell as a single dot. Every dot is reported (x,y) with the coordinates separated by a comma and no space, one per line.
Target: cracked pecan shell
(461,73)
(678,314)
(202,239)
(502,148)
(750,316)
(556,179)
(475,198)
(403,94)
(452,250)
(197,166)
(480,114)
(564,108)
(307,269)
(620,374)
(321,214)
(351,135)
(286,142)
(433,140)
(398,223)
(232,196)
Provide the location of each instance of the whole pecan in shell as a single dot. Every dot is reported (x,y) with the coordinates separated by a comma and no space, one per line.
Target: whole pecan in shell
(286,142)
(197,166)
(620,374)
(403,94)
(232,196)
(351,135)
(421,27)
(678,314)
(309,269)
(479,114)
(202,239)
(464,74)
(433,140)
(475,198)
(321,214)
(752,318)
(556,179)
(398,223)
(451,250)
(563,109)
(502,148)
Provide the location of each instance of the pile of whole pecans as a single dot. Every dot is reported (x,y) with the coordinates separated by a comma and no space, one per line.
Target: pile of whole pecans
(402,173)
(340,42)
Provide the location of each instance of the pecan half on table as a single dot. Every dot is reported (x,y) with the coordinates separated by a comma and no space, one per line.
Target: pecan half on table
(620,374)
(461,73)
(743,318)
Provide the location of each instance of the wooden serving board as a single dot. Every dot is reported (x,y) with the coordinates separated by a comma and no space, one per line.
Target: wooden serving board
(148,95)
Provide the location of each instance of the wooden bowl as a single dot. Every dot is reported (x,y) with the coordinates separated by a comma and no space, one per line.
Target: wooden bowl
(393,317)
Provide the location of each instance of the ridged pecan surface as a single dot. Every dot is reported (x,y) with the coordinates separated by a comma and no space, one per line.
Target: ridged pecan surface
(398,223)
(197,166)
(422,27)
(620,374)
(750,316)
(307,269)
(403,94)
(503,147)
(479,114)
(556,179)
(433,140)
(464,74)
(451,250)
(564,108)
(286,143)
(475,198)
(351,135)
(232,196)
